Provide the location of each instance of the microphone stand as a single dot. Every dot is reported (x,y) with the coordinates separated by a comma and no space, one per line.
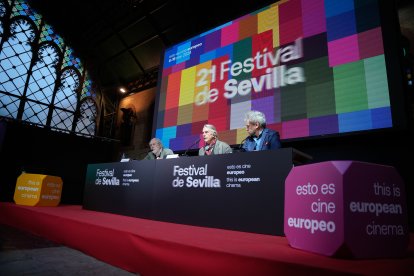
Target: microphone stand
(185,153)
(240,149)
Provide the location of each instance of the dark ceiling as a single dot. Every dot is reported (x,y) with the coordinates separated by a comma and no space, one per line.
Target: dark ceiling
(122,41)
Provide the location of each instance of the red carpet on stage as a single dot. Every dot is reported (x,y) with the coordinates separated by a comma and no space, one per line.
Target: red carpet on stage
(158,248)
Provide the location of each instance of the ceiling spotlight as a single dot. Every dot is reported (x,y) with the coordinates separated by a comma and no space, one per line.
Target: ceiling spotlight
(123,90)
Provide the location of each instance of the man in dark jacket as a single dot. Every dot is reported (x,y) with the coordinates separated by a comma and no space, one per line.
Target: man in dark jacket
(260,137)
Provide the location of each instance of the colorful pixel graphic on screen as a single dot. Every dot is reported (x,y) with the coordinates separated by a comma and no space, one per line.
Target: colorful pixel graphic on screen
(312,67)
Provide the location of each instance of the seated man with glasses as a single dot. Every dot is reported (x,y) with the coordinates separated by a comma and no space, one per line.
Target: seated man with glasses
(260,137)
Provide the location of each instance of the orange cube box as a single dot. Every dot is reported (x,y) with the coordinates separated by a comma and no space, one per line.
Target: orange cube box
(38,190)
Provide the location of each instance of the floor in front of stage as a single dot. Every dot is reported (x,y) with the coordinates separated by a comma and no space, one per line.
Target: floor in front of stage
(22,253)
(157,248)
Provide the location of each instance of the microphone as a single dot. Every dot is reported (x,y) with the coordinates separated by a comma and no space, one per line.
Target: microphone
(193,144)
(242,143)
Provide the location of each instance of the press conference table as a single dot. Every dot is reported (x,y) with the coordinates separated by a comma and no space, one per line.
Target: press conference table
(242,191)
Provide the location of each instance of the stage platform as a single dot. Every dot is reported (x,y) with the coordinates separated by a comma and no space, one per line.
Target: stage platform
(158,248)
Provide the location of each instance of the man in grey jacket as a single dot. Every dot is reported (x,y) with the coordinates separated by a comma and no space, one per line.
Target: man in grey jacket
(213,145)
(157,150)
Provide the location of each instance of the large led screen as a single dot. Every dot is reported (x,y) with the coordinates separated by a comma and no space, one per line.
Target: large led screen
(313,67)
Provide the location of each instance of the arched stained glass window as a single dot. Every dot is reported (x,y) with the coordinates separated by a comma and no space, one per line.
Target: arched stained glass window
(88,108)
(66,95)
(86,123)
(41,79)
(66,99)
(15,56)
(41,85)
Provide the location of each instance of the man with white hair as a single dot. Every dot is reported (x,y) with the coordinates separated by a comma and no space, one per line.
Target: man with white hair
(213,145)
(157,150)
(260,137)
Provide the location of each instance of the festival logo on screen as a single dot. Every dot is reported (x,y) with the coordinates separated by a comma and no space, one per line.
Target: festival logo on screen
(275,76)
(312,67)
